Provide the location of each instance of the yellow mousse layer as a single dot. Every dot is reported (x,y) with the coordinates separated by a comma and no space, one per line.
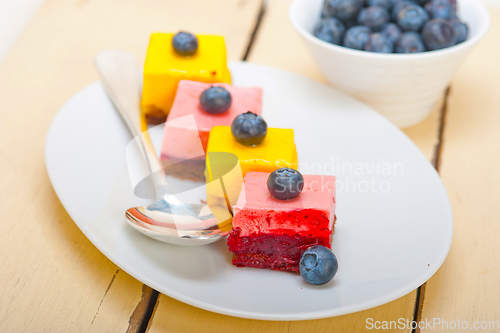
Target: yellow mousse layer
(224,183)
(228,161)
(164,68)
(276,151)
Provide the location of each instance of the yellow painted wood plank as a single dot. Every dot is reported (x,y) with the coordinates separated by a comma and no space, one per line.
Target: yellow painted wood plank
(53,279)
(175,317)
(466,287)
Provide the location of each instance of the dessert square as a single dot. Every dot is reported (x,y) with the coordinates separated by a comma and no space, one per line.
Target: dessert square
(276,151)
(271,233)
(164,68)
(180,152)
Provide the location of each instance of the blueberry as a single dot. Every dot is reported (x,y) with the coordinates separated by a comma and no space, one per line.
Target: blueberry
(392,32)
(215,100)
(318,265)
(400,4)
(378,43)
(439,9)
(438,34)
(451,3)
(412,18)
(185,43)
(344,10)
(285,183)
(386,4)
(373,17)
(461,30)
(330,30)
(410,42)
(249,129)
(356,37)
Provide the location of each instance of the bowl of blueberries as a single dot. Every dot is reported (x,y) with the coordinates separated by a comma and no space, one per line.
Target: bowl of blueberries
(398,56)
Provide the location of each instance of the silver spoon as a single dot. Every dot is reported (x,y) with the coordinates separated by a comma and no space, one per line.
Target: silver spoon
(167,219)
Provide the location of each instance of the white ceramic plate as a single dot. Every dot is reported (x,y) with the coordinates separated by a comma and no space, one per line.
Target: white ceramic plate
(394,226)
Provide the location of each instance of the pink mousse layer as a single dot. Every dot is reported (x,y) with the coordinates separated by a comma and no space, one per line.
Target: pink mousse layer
(257,212)
(183,138)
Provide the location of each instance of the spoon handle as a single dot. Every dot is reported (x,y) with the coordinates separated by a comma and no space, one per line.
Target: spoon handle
(120,77)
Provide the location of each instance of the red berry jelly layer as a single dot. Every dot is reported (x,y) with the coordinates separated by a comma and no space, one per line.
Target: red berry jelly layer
(280,252)
(303,222)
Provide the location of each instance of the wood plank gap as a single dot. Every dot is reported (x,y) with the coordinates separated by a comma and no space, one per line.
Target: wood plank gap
(104,296)
(143,313)
(255,29)
(153,311)
(419,304)
(436,161)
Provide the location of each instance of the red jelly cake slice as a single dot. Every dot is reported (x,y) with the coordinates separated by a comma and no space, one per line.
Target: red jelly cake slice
(272,233)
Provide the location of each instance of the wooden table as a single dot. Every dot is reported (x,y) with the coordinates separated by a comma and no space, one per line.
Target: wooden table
(54,280)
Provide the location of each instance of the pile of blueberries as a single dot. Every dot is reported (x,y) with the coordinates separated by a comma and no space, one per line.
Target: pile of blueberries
(391,26)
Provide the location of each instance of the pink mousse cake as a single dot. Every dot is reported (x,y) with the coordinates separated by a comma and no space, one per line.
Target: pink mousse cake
(273,234)
(188,126)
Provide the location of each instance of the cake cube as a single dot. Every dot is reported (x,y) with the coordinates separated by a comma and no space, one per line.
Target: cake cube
(273,234)
(276,151)
(164,68)
(180,151)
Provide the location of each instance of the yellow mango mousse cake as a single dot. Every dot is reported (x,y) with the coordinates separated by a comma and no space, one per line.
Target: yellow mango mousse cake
(277,150)
(165,66)
(247,145)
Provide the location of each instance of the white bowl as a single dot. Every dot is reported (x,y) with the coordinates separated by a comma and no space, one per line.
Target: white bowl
(403,87)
